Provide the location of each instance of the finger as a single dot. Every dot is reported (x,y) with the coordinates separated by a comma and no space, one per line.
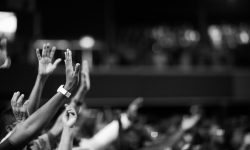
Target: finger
(65,55)
(15,98)
(48,48)
(44,50)
(23,113)
(52,52)
(57,61)
(77,68)
(66,106)
(68,61)
(25,104)
(70,55)
(77,72)
(12,102)
(72,109)
(38,54)
(20,101)
(138,101)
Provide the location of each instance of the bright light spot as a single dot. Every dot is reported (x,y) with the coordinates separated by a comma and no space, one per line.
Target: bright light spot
(244,37)
(215,35)
(154,134)
(191,35)
(87,42)
(219,132)
(8,23)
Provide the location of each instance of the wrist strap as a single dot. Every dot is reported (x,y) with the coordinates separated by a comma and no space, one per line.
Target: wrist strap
(64,91)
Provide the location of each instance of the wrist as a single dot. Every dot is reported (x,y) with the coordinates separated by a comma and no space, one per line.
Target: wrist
(68,130)
(42,77)
(64,91)
(66,127)
(67,87)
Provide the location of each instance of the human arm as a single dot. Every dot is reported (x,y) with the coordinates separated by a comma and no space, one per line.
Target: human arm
(69,119)
(45,68)
(79,97)
(111,131)
(187,123)
(27,130)
(76,101)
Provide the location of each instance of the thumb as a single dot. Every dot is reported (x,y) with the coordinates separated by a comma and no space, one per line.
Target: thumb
(77,68)
(77,71)
(138,101)
(57,61)
(25,106)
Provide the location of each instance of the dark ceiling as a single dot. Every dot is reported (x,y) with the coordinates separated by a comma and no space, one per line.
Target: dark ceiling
(75,18)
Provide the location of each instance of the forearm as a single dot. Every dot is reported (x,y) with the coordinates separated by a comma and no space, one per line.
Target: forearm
(57,128)
(35,123)
(78,100)
(109,133)
(66,139)
(35,95)
(79,96)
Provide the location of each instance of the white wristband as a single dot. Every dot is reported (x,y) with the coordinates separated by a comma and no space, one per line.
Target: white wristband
(63,91)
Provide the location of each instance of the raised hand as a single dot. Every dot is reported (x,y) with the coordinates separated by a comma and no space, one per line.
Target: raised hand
(85,80)
(133,108)
(18,107)
(46,67)
(72,75)
(189,122)
(69,116)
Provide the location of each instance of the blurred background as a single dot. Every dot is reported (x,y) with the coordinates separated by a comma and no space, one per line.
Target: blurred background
(174,53)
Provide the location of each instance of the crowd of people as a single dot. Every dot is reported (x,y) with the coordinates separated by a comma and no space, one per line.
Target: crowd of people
(65,122)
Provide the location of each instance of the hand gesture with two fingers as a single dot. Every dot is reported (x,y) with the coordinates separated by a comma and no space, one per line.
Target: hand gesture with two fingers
(69,116)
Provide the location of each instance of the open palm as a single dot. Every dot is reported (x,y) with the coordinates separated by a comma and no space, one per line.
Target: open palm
(46,66)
